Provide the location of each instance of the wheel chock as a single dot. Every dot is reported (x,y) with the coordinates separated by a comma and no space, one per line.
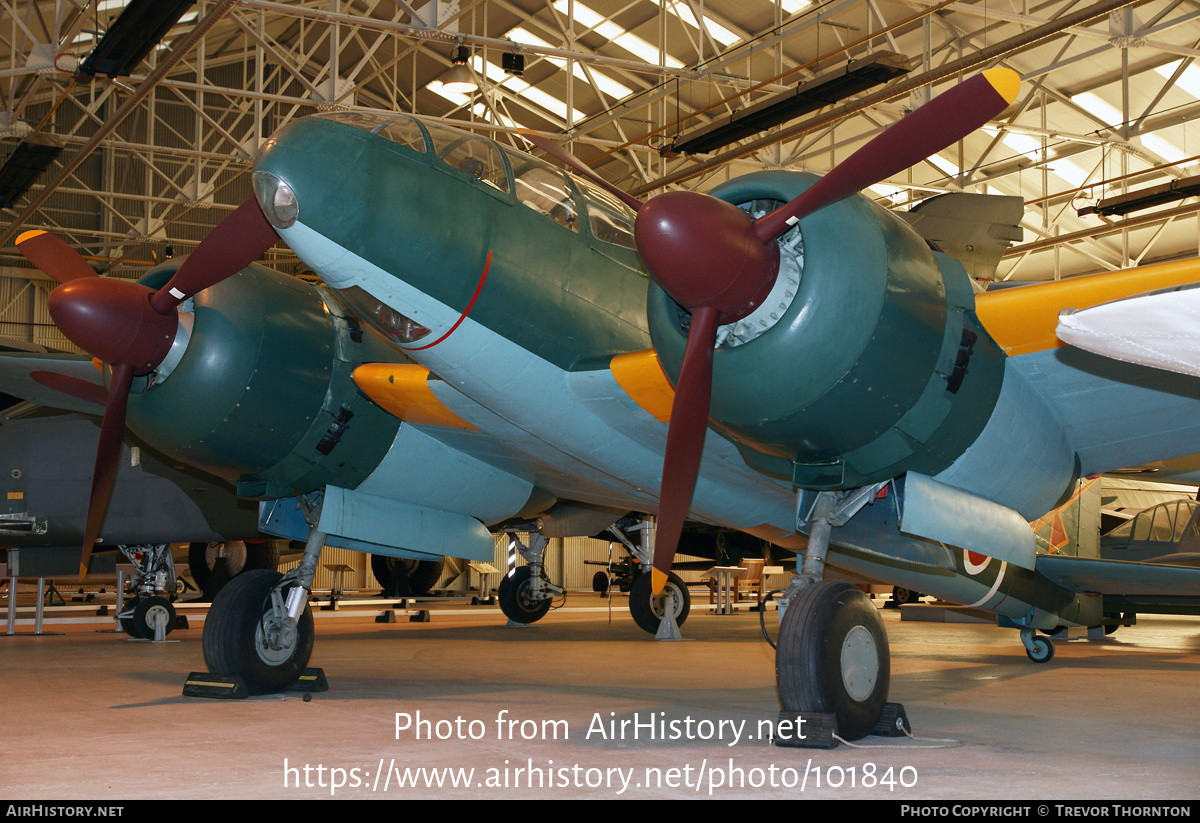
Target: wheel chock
(388,616)
(420,617)
(893,722)
(219,686)
(181,622)
(310,680)
(805,730)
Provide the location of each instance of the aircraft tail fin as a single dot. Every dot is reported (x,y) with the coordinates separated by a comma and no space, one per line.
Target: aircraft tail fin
(1072,529)
(975,229)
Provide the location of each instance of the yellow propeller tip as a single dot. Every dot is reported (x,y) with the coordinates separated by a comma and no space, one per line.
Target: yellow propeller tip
(1006,82)
(658,581)
(29,235)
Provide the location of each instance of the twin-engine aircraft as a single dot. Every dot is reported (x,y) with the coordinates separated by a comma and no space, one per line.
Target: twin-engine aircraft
(780,356)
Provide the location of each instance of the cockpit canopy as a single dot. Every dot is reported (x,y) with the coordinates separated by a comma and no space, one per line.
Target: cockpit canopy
(535,183)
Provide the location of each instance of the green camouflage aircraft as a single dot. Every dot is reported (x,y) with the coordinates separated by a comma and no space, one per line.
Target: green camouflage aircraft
(813,369)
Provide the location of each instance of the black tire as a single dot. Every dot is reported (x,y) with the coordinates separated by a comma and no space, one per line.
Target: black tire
(1042,651)
(648,611)
(147,611)
(258,554)
(833,657)
(600,583)
(515,599)
(406,577)
(233,635)
(902,596)
(128,625)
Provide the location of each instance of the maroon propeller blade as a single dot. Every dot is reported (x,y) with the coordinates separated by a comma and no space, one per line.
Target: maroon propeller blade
(132,327)
(942,121)
(689,422)
(236,242)
(566,158)
(108,452)
(719,264)
(52,256)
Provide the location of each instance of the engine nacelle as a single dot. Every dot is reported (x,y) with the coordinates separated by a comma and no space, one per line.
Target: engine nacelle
(262,395)
(867,360)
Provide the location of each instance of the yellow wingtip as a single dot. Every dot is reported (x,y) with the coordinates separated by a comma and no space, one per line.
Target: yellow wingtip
(28,235)
(658,581)
(1006,82)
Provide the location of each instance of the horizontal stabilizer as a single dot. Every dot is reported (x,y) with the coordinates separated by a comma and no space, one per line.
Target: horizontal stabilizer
(1119,578)
(975,229)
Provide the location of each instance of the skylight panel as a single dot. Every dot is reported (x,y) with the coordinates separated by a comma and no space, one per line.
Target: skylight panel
(617,35)
(892,193)
(1031,147)
(522,89)
(1189,81)
(463,101)
(605,83)
(948,168)
(795,6)
(1159,145)
(1099,107)
(684,12)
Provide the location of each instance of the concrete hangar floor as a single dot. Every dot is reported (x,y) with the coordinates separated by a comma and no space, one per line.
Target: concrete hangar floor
(551,711)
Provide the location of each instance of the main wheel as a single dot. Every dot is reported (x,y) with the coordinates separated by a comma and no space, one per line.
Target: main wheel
(600,583)
(239,557)
(405,576)
(243,636)
(649,610)
(833,657)
(148,612)
(517,600)
(127,623)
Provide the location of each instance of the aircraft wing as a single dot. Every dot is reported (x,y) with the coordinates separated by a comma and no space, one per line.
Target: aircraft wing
(1114,414)
(1119,580)
(17,378)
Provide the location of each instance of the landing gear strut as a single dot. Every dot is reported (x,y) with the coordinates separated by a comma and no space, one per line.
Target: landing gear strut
(148,614)
(832,656)
(526,593)
(646,609)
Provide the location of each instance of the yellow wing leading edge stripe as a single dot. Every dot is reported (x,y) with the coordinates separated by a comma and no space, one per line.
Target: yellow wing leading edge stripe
(1023,319)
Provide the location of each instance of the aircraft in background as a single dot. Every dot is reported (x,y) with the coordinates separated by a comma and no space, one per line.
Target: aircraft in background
(44,464)
(816,372)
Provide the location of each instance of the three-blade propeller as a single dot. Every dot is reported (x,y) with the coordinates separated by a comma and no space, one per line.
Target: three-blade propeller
(130,327)
(717,262)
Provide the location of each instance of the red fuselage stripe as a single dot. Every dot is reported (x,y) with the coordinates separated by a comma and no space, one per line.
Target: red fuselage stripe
(487,265)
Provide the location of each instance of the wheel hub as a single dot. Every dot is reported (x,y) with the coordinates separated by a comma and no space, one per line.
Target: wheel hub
(671,595)
(859,663)
(274,639)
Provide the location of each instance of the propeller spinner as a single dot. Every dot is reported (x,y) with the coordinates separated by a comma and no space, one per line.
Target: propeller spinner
(130,326)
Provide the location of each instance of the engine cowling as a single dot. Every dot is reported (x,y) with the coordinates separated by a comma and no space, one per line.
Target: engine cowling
(262,395)
(866,360)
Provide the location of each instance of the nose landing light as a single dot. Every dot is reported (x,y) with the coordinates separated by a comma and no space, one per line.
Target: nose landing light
(277,199)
